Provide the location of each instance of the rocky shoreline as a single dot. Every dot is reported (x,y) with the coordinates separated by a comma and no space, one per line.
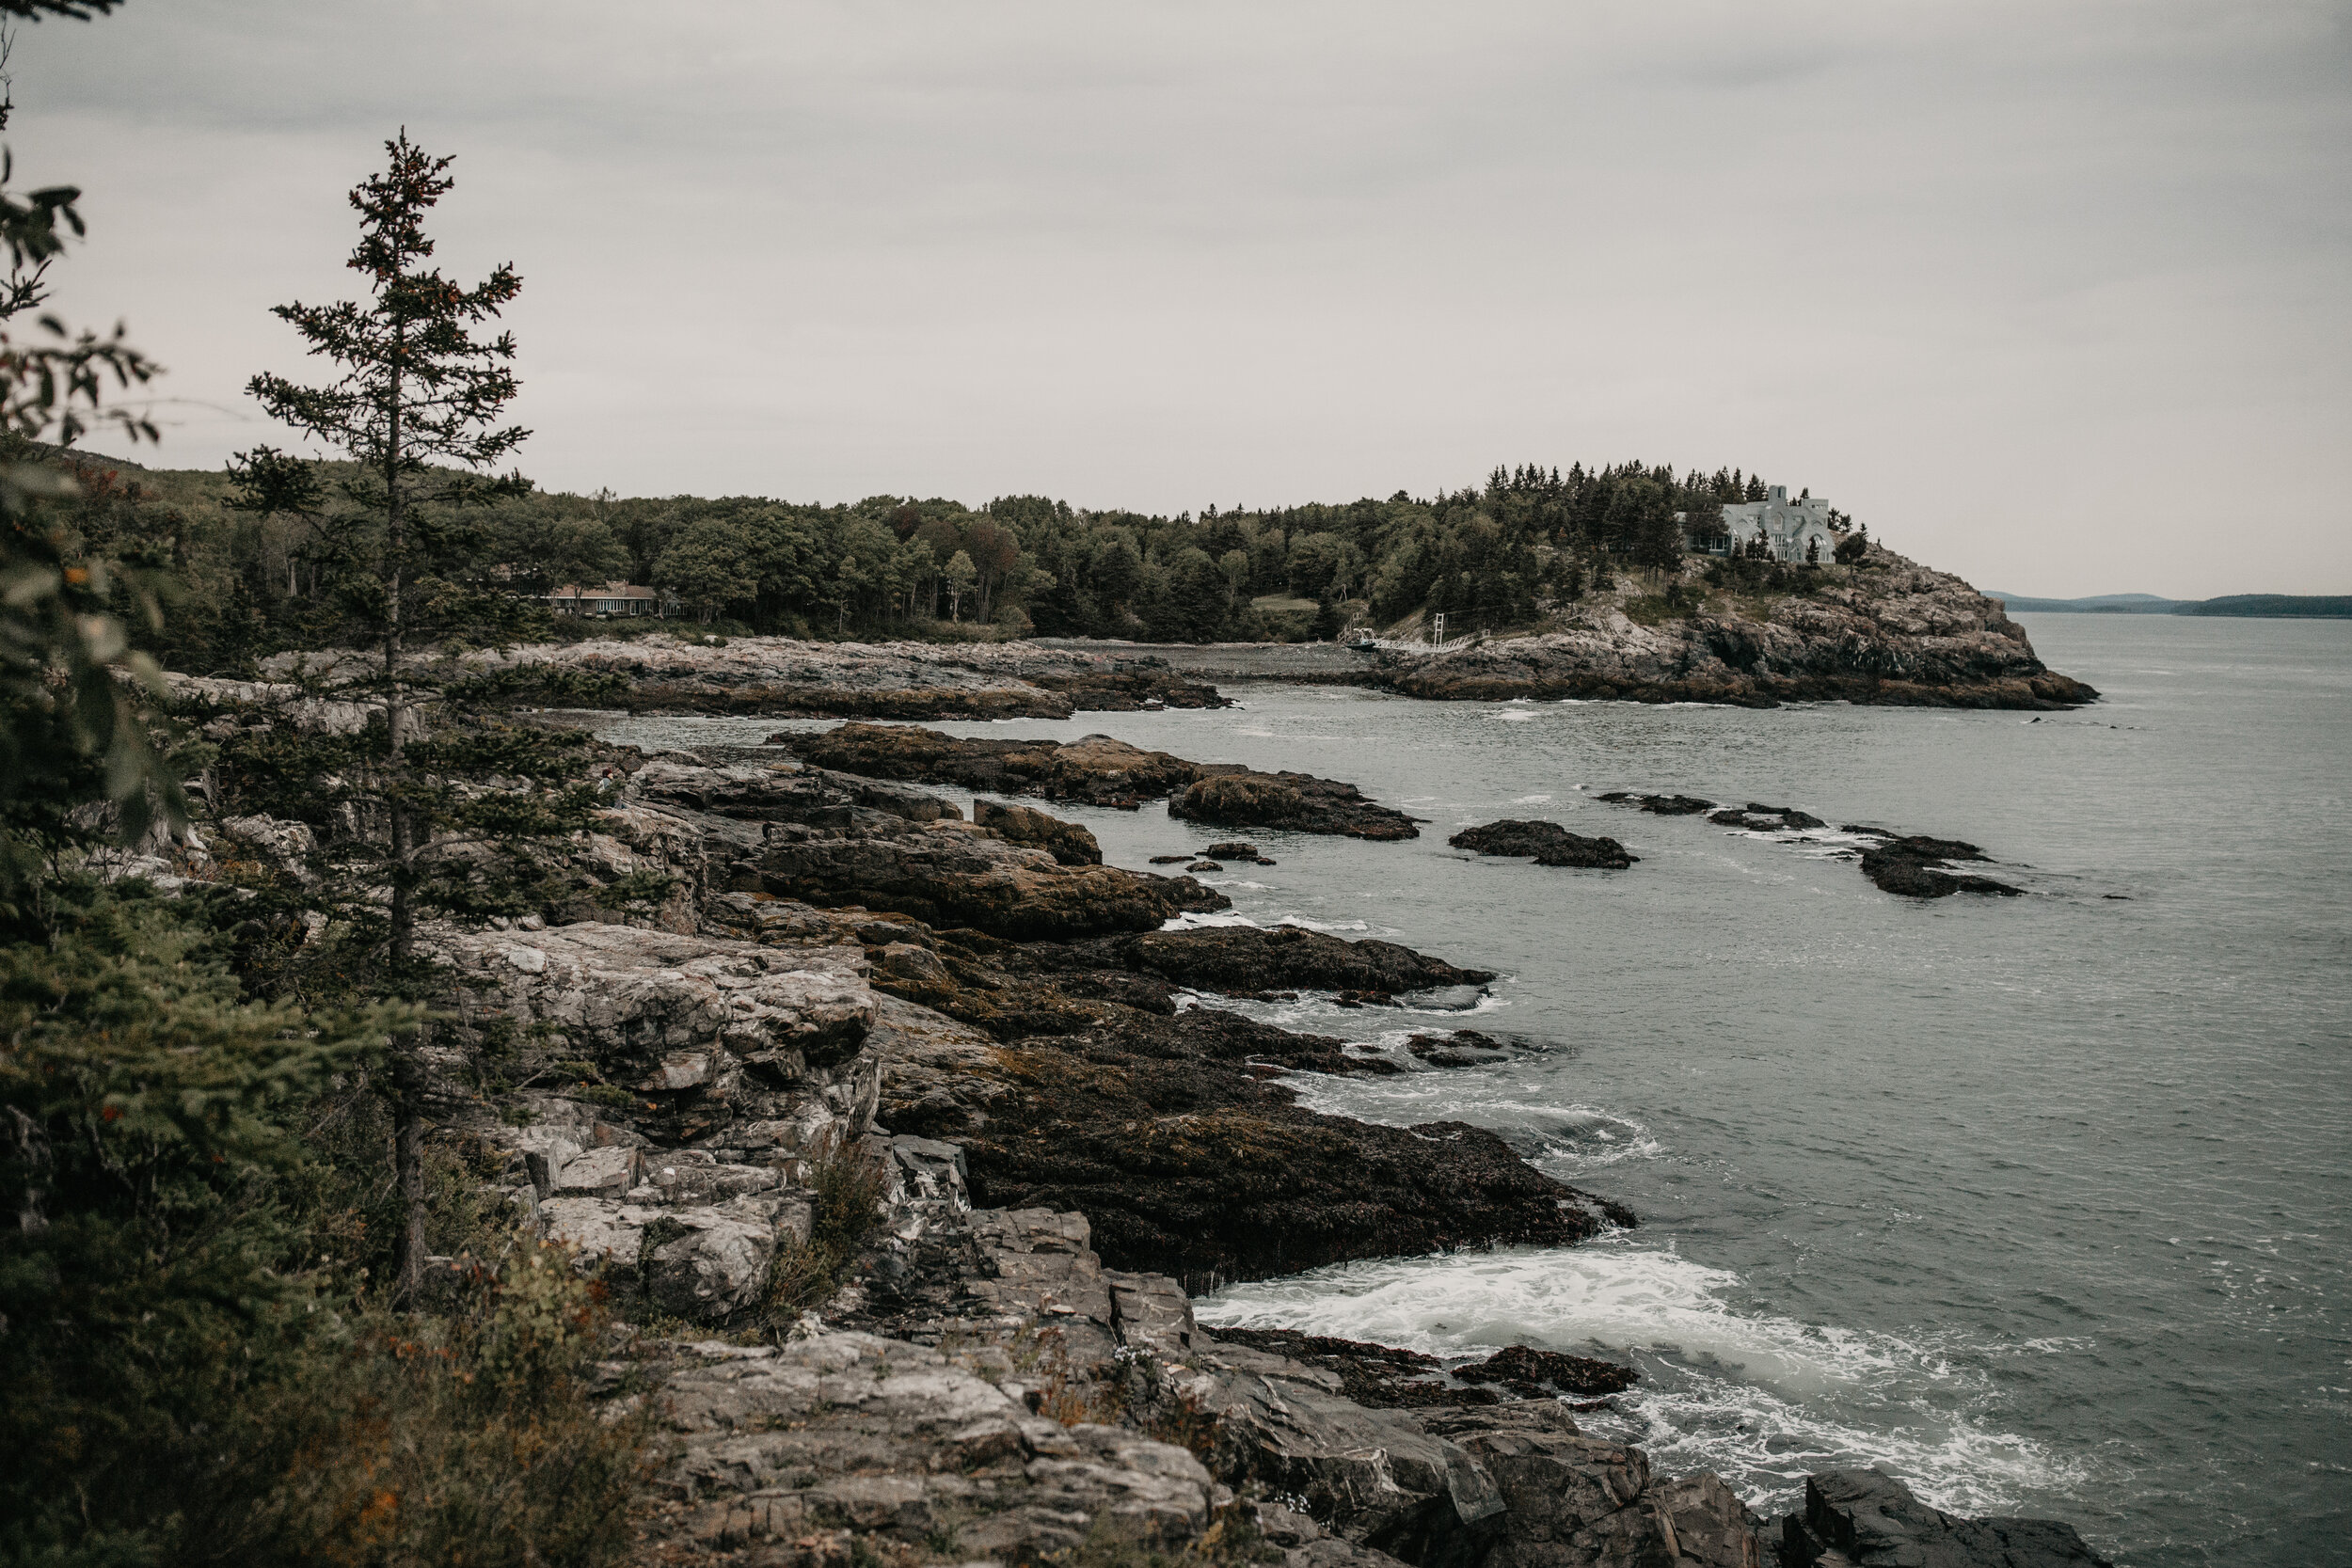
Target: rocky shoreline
(1887,630)
(1068,1137)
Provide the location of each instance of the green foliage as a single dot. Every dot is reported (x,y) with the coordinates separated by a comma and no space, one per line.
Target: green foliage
(155,1277)
(197,1206)
(466,1438)
(1489,557)
(849,1190)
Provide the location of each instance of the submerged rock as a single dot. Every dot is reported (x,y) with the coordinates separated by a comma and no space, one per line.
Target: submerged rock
(1462,1048)
(1912,866)
(1527,1371)
(1548,842)
(1763,818)
(1379,1377)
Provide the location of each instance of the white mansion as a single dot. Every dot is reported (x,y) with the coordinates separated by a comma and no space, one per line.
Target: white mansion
(1788,527)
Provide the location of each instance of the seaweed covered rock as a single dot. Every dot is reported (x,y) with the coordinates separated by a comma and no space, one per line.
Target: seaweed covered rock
(1299,802)
(1759,817)
(1528,1373)
(1548,842)
(1660,805)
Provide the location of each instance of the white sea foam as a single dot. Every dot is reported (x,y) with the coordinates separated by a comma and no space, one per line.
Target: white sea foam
(1565,1140)
(1189,921)
(1760,1398)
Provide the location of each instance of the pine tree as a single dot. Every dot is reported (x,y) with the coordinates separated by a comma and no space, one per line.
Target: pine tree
(448,815)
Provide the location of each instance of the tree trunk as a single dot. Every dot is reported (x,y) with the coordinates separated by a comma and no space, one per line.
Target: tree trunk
(407,1063)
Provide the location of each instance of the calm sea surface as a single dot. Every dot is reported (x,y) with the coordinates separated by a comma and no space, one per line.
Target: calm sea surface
(2040,1203)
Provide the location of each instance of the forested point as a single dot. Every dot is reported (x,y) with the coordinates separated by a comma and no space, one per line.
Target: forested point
(261,569)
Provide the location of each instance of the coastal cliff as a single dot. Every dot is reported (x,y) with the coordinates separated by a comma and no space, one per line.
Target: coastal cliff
(1885,629)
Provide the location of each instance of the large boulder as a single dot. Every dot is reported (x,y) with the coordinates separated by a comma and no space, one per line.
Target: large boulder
(659,1014)
(677,1092)
(1573,1502)
(834,1441)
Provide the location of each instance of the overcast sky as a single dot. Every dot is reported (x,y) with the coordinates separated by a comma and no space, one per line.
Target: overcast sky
(2054,295)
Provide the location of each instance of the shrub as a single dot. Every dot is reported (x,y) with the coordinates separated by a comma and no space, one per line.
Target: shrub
(848,1191)
(469,1439)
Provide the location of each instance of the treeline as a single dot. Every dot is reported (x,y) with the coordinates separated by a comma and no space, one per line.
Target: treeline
(266,570)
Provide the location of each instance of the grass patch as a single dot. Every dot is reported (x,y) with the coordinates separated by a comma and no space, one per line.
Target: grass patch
(848,1192)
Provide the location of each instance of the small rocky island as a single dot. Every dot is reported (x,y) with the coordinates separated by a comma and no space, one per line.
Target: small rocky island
(1884,630)
(1548,842)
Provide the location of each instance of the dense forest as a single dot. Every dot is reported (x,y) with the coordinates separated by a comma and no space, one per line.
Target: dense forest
(260,555)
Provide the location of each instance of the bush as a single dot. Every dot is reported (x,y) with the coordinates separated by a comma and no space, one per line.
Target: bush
(467,1440)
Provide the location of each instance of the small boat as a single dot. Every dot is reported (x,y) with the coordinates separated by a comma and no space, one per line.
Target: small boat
(1363,643)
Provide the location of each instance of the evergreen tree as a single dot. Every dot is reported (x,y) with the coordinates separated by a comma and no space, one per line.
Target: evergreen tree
(446,817)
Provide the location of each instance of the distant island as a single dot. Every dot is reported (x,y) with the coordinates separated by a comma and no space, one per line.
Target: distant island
(2333,607)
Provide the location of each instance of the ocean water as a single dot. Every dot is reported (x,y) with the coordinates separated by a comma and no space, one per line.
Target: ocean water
(2044,1204)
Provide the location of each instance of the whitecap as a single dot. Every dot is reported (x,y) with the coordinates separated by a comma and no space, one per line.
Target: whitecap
(1759,1399)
